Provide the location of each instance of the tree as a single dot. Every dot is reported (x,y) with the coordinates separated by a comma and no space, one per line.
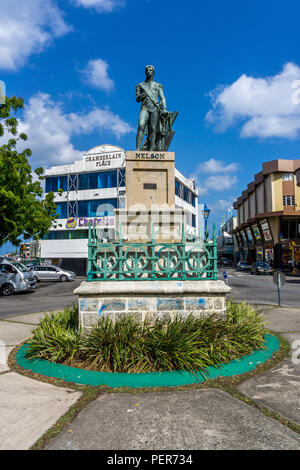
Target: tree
(22,211)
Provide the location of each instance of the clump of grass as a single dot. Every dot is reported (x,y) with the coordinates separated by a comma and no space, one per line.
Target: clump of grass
(128,346)
(185,343)
(111,346)
(57,337)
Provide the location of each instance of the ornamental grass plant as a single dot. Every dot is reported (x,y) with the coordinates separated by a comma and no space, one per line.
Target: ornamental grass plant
(186,343)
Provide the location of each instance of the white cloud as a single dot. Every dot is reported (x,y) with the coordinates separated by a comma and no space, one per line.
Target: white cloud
(220,182)
(217,166)
(266,107)
(27,27)
(96,75)
(220,177)
(102,6)
(50,130)
(222,205)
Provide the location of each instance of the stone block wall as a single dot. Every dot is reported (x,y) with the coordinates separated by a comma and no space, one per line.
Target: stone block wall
(149,300)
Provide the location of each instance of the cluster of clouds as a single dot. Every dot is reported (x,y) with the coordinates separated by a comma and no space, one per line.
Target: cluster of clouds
(215,175)
(29,27)
(96,75)
(26,28)
(50,130)
(263,107)
(267,107)
(101,6)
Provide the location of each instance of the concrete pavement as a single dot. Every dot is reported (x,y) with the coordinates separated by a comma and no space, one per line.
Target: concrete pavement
(186,419)
(279,388)
(28,407)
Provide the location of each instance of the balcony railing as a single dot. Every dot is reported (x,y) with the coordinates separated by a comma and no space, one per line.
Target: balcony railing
(151,261)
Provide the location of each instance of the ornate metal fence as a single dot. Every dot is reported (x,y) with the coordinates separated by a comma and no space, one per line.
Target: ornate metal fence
(155,261)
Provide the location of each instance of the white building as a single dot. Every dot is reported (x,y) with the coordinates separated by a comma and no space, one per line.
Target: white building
(91,189)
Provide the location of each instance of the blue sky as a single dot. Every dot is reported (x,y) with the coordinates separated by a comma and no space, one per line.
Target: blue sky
(230,68)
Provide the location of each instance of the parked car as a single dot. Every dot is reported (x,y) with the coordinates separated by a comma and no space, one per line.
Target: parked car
(52,273)
(15,277)
(225,262)
(261,267)
(243,266)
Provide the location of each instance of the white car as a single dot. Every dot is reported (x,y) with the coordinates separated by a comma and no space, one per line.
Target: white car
(52,273)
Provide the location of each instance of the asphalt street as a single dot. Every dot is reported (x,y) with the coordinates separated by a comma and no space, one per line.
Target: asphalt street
(47,296)
(260,289)
(56,295)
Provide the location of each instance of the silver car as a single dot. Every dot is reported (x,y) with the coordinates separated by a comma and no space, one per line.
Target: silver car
(52,273)
(15,277)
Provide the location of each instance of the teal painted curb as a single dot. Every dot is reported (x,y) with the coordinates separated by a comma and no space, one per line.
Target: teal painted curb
(149,379)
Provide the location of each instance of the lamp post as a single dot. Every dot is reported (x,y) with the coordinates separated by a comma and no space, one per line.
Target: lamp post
(205,212)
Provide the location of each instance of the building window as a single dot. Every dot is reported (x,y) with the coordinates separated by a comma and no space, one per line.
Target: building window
(184,193)
(61,210)
(177,188)
(54,183)
(100,180)
(97,208)
(66,235)
(288,177)
(290,229)
(288,200)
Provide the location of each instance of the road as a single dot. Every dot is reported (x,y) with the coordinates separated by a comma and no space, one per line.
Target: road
(47,296)
(261,289)
(58,295)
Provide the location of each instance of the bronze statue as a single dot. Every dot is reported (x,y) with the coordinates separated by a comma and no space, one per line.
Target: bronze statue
(154,121)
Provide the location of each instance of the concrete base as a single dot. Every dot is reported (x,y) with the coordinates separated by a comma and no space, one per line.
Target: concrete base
(147,300)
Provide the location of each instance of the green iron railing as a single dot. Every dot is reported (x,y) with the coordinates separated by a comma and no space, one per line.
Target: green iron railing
(153,260)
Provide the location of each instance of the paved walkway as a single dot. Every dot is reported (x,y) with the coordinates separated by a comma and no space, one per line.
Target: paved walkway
(189,419)
(28,407)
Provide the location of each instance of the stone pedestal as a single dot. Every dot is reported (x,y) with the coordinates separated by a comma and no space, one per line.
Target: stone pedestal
(149,299)
(150,178)
(150,199)
(138,225)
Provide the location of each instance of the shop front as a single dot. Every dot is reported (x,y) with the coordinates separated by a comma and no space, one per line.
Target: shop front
(290,244)
(268,242)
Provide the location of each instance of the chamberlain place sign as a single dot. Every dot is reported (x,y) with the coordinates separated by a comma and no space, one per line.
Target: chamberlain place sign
(104,160)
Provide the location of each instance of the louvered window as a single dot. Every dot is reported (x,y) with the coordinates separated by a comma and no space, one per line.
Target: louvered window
(288,200)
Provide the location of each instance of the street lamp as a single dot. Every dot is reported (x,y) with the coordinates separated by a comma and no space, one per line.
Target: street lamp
(205,212)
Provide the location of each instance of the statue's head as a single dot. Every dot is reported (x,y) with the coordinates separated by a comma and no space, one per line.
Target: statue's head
(149,70)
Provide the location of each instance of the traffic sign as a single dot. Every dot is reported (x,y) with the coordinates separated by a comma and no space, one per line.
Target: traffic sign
(279,278)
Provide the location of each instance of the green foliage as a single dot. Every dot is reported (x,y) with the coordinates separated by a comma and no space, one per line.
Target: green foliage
(21,210)
(190,343)
(57,337)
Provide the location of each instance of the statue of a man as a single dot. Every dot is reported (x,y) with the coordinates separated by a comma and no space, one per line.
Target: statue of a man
(148,93)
